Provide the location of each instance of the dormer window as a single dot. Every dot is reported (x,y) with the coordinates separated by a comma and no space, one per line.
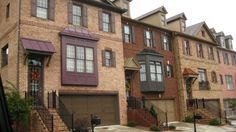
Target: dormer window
(230,44)
(222,41)
(163,20)
(183,26)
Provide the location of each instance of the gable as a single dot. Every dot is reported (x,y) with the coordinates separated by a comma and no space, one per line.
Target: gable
(131,64)
(205,33)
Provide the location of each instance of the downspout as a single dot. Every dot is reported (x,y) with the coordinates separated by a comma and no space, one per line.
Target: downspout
(18,46)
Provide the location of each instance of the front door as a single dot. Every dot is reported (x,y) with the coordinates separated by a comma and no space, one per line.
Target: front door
(35,80)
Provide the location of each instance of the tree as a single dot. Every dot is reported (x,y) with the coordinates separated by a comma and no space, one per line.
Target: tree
(19,108)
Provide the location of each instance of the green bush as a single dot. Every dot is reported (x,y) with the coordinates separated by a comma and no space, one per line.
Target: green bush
(214,122)
(188,119)
(154,128)
(131,123)
(172,127)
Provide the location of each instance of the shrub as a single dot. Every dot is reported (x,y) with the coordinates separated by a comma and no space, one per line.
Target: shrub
(131,124)
(172,127)
(152,111)
(188,119)
(154,128)
(214,122)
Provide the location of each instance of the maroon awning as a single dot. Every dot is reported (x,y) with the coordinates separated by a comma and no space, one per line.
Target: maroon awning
(38,46)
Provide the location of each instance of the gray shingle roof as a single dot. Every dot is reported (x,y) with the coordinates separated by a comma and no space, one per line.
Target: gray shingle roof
(228,37)
(178,16)
(192,30)
(220,34)
(160,9)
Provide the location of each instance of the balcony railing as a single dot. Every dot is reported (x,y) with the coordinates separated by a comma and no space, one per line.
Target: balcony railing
(204,85)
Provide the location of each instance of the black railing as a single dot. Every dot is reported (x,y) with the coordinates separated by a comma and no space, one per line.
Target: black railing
(43,112)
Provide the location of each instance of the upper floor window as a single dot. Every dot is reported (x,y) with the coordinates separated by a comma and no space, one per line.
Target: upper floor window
(8,11)
(183,26)
(106,21)
(5,55)
(186,47)
(202,78)
(79,59)
(169,71)
(233,59)
(226,58)
(156,71)
(203,33)
(165,42)
(143,76)
(200,51)
(229,82)
(213,77)
(149,38)
(218,56)
(163,20)
(109,59)
(210,53)
(42,9)
(77,14)
(128,34)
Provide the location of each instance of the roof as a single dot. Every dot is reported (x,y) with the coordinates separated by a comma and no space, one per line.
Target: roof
(178,16)
(220,34)
(193,30)
(189,71)
(160,9)
(79,33)
(131,64)
(228,37)
(39,46)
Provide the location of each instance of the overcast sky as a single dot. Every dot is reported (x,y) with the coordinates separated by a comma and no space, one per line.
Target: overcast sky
(219,14)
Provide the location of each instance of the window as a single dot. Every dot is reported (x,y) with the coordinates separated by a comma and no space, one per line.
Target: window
(163,20)
(186,47)
(222,41)
(79,59)
(202,78)
(183,26)
(156,71)
(229,82)
(108,58)
(166,43)
(218,56)
(5,55)
(213,77)
(143,76)
(42,9)
(127,34)
(210,53)
(200,51)
(77,15)
(226,58)
(106,22)
(148,38)
(230,44)
(221,79)
(203,33)
(202,75)
(8,11)
(233,57)
(169,71)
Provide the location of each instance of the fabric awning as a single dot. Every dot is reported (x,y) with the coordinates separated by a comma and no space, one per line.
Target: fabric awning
(131,64)
(38,46)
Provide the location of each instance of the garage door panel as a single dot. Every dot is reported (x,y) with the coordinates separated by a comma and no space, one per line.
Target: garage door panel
(105,107)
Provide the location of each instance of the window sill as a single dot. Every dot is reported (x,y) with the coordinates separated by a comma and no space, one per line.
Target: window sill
(42,19)
(3,66)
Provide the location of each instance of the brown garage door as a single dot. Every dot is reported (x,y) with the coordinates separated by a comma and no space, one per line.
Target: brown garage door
(82,106)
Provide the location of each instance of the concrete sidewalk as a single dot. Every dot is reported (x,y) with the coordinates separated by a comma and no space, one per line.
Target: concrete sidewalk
(180,126)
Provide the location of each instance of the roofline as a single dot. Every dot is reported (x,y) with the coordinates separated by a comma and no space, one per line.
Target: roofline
(150,13)
(145,24)
(184,18)
(194,38)
(232,51)
(102,5)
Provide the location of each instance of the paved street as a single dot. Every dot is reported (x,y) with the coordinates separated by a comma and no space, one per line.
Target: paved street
(183,127)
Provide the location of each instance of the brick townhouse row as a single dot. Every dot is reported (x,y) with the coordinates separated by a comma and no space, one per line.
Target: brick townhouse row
(100,61)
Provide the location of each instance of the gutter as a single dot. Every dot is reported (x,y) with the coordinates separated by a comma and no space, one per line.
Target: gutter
(18,46)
